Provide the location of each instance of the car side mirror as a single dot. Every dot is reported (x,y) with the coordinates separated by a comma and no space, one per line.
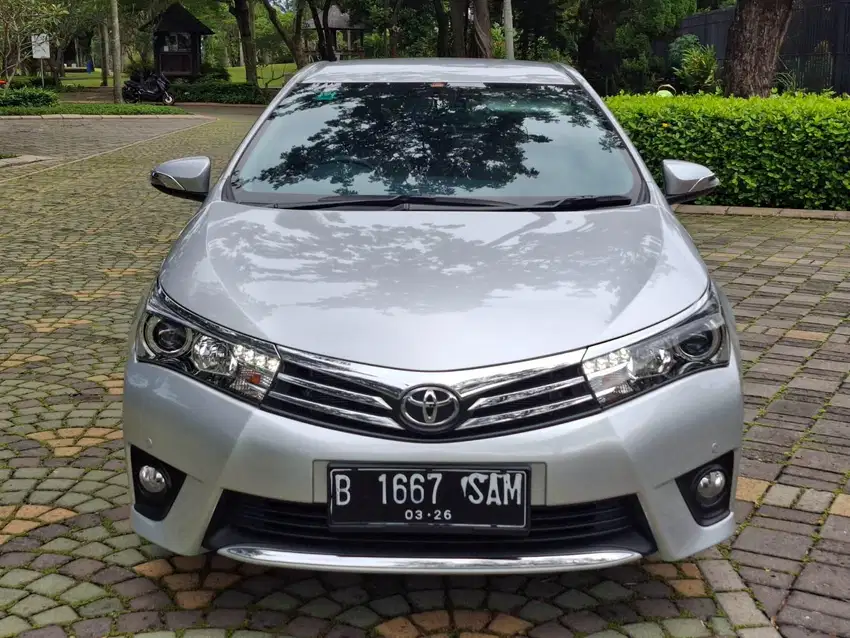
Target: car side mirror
(187,178)
(685,181)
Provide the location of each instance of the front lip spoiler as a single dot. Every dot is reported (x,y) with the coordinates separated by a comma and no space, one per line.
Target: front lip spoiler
(271,557)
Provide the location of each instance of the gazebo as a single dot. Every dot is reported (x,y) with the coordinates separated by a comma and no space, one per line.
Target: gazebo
(338,23)
(177,36)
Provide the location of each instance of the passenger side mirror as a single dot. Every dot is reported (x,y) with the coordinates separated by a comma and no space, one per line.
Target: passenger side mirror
(187,178)
(685,181)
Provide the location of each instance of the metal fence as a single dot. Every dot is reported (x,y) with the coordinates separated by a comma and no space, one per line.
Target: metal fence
(815,54)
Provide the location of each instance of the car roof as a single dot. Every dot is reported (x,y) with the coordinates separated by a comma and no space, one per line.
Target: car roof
(457,70)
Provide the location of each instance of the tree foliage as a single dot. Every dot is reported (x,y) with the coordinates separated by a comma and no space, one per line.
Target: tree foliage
(610,41)
(19,21)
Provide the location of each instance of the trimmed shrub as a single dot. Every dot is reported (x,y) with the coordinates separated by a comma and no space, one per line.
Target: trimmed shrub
(210,72)
(23,81)
(92,109)
(219,92)
(27,97)
(790,151)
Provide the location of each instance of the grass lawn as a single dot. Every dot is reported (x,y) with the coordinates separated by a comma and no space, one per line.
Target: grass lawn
(273,72)
(93,109)
(87,79)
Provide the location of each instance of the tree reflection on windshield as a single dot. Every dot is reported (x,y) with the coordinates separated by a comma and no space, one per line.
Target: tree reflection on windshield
(437,140)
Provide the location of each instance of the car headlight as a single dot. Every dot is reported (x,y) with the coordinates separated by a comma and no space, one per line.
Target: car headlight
(170,336)
(698,343)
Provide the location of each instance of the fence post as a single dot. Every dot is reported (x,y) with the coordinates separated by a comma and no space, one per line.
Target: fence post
(841,54)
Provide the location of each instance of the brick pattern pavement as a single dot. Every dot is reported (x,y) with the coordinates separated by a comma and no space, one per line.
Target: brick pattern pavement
(74,263)
(63,140)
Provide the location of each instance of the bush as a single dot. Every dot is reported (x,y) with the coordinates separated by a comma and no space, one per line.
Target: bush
(138,70)
(698,71)
(219,92)
(23,81)
(680,46)
(92,109)
(211,72)
(27,97)
(790,151)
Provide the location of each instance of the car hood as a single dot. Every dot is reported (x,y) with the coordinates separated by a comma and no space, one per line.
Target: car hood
(434,290)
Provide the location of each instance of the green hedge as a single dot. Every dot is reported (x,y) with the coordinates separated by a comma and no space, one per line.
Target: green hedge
(27,97)
(220,92)
(92,109)
(782,152)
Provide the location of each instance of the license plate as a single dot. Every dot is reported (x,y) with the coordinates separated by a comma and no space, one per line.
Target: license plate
(437,498)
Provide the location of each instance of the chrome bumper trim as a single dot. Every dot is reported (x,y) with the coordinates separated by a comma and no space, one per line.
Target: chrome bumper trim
(270,557)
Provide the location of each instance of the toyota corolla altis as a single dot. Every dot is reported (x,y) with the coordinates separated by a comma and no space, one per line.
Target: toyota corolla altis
(434,316)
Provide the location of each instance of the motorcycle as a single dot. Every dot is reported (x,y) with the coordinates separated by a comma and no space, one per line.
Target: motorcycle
(153,89)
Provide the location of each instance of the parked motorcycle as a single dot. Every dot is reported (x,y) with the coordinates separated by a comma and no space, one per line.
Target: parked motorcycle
(152,89)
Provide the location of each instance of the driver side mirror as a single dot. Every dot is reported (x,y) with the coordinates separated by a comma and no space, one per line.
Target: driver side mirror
(685,181)
(187,178)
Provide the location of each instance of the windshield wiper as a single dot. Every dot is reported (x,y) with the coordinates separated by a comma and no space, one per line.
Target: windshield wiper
(393,201)
(583,202)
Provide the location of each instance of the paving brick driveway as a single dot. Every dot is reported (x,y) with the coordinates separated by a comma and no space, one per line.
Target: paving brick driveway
(77,245)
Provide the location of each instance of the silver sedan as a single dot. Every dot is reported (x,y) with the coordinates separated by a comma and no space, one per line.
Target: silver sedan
(434,316)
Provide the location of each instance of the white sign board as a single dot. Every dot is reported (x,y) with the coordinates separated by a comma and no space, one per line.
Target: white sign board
(41,47)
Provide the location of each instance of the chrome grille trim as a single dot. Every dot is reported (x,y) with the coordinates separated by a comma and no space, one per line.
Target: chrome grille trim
(494,401)
(372,419)
(510,397)
(505,417)
(467,383)
(365,399)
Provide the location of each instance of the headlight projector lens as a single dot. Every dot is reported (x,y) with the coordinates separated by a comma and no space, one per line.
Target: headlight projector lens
(699,347)
(165,337)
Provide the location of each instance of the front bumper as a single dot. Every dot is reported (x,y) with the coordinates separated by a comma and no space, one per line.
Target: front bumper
(636,450)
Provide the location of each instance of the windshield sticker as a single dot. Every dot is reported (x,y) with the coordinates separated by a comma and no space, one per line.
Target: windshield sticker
(326,96)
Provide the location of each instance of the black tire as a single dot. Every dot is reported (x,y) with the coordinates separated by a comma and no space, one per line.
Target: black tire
(168,99)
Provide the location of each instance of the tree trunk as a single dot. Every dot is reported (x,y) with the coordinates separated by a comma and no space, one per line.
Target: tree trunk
(104,54)
(443,47)
(330,37)
(395,30)
(293,42)
(319,26)
(116,52)
(481,28)
(241,10)
(755,38)
(56,64)
(459,14)
(508,11)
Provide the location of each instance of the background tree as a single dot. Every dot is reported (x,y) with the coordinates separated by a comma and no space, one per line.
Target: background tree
(242,10)
(289,27)
(19,21)
(752,50)
(116,52)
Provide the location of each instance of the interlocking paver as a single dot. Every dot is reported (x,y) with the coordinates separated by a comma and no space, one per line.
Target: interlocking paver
(76,256)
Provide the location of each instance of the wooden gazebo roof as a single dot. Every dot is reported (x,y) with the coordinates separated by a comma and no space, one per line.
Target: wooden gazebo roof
(177,19)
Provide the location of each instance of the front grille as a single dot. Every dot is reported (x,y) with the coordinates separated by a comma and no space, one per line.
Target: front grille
(243,519)
(367,400)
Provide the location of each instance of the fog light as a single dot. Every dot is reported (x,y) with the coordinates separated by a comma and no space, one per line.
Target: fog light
(710,487)
(153,480)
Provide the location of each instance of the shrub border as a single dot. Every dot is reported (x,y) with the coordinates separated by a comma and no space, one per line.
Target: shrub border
(74,116)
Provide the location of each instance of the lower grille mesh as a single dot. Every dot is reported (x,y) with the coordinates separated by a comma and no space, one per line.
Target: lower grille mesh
(614,523)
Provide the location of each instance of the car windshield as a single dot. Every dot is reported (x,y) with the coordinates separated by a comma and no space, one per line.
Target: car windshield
(506,142)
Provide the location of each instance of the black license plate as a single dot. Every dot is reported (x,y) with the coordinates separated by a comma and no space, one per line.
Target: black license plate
(440,498)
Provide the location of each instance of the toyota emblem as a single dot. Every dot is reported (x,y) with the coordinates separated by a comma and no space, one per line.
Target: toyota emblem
(429,407)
